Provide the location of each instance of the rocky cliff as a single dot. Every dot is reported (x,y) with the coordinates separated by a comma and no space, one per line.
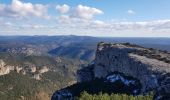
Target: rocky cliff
(27,68)
(150,66)
(114,63)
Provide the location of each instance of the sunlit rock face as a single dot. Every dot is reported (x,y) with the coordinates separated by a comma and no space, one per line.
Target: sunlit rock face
(123,68)
(27,68)
(147,65)
(4,68)
(43,70)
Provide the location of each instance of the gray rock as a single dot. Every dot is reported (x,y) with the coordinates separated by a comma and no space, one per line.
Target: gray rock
(144,64)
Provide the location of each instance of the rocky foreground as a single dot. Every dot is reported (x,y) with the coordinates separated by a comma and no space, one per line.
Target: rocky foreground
(150,67)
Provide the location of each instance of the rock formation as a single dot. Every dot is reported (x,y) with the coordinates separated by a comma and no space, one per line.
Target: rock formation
(5,69)
(28,68)
(150,66)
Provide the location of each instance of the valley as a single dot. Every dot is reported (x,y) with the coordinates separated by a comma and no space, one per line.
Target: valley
(34,70)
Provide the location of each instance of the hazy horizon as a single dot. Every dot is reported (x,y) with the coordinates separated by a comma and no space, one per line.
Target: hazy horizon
(84,36)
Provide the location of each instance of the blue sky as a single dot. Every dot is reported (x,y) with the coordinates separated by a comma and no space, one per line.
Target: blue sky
(116,18)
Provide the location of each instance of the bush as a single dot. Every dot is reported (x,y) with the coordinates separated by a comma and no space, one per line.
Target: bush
(101,96)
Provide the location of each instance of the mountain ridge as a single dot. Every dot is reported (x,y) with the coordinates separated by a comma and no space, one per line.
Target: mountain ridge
(150,66)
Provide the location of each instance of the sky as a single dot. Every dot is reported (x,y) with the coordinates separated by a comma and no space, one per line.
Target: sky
(103,18)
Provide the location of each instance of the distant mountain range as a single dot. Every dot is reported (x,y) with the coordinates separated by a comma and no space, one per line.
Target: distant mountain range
(81,47)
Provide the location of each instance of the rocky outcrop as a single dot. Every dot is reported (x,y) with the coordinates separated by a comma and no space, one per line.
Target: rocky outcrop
(147,65)
(43,70)
(37,77)
(5,69)
(128,64)
(27,68)
(18,69)
(24,50)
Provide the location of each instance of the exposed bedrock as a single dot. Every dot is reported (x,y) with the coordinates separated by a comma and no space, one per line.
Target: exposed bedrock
(126,64)
(150,66)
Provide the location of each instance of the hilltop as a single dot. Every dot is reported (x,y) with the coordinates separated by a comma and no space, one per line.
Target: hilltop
(135,69)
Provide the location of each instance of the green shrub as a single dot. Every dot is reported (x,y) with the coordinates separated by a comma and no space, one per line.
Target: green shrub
(101,96)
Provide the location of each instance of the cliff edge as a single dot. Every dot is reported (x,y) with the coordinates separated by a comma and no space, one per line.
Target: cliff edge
(123,68)
(150,66)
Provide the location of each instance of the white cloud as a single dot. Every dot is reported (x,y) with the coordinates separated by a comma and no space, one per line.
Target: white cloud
(80,15)
(38,26)
(8,24)
(79,20)
(85,12)
(131,12)
(21,9)
(158,28)
(98,24)
(62,8)
(145,25)
(64,19)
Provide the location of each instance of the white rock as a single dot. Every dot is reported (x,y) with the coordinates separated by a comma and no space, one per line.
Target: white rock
(37,77)
(5,69)
(43,70)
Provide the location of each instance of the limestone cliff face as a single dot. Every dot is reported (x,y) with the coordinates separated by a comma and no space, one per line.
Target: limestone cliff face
(150,66)
(28,68)
(5,69)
